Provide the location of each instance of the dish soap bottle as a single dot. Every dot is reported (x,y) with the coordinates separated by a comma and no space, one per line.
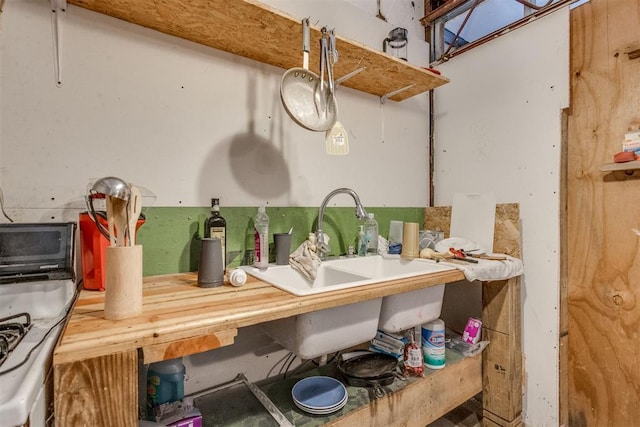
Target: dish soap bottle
(371,234)
(216,226)
(261,239)
(362,242)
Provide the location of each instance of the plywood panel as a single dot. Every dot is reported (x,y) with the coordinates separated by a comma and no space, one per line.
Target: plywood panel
(253,30)
(603,266)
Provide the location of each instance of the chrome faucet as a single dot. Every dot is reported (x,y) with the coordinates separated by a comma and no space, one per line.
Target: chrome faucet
(323,247)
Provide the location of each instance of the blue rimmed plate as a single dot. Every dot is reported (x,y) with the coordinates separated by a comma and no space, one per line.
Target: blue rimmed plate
(319,393)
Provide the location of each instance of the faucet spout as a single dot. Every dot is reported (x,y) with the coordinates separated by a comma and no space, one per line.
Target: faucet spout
(361,213)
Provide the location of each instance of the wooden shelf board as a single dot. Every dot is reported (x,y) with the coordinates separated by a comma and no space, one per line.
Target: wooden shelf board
(626,166)
(256,31)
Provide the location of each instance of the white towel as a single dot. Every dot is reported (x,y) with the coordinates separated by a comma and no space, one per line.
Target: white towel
(488,270)
(305,258)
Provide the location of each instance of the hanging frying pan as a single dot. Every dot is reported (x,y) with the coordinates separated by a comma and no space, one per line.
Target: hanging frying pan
(299,93)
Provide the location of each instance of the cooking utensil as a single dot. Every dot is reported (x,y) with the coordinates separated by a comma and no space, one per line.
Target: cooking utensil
(370,370)
(112,189)
(133,213)
(375,384)
(336,139)
(299,89)
(120,220)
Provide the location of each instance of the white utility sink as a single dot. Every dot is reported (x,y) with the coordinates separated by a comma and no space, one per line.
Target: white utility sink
(318,333)
(344,273)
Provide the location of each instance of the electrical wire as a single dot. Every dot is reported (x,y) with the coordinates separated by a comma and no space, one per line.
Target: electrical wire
(282,360)
(44,337)
(289,365)
(2,206)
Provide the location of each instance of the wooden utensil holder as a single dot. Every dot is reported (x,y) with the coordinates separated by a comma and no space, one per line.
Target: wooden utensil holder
(123,293)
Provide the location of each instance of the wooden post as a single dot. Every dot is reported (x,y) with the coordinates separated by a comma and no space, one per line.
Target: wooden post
(501,313)
(97,392)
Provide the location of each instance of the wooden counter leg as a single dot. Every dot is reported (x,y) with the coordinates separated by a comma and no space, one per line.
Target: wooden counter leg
(97,392)
(502,359)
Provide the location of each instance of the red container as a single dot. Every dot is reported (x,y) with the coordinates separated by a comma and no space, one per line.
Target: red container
(93,249)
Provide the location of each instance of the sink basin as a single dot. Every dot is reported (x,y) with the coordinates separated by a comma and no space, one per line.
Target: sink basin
(290,280)
(403,311)
(315,334)
(344,273)
(318,333)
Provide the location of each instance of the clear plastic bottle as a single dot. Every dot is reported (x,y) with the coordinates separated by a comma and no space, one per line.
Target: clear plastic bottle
(371,234)
(261,240)
(362,242)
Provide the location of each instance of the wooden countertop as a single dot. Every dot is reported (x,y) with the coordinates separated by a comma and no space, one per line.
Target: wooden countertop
(179,318)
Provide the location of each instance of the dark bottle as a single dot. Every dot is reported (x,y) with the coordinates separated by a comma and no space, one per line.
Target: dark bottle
(216,226)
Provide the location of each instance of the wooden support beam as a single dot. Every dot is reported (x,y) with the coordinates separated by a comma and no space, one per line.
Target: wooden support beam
(433,14)
(187,346)
(97,392)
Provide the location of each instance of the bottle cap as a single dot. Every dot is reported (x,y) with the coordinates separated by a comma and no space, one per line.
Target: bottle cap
(238,277)
(370,215)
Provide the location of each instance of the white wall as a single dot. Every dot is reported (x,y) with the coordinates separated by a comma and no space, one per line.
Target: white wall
(498,130)
(187,121)
(176,117)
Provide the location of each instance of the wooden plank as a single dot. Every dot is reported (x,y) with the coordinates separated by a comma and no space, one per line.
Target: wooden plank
(490,420)
(563,324)
(421,402)
(563,418)
(502,362)
(188,346)
(603,274)
(506,231)
(433,14)
(256,31)
(97,392)
(175,308)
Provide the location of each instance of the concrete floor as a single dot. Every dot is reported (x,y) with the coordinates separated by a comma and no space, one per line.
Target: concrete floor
(469,414)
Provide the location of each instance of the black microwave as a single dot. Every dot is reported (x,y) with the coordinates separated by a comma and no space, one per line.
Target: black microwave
(36,251)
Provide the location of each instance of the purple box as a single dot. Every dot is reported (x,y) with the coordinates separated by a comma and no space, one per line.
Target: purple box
(472,331)
(195,421)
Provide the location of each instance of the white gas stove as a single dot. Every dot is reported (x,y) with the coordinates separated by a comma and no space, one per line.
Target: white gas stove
(31,317)
(37,290)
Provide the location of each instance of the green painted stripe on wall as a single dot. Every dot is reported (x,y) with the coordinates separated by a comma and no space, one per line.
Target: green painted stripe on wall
(170,236)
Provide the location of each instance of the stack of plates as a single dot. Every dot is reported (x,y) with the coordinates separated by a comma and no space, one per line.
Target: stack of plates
(319,395)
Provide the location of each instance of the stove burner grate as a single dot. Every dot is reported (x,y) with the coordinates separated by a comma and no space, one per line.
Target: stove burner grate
(12,330)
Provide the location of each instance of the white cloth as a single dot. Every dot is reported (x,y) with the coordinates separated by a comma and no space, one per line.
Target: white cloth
(488,270)
(305,258)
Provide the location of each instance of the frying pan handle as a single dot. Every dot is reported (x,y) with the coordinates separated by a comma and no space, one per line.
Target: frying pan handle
(377,389)
(305,43)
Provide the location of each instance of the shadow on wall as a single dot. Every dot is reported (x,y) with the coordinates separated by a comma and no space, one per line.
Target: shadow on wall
(258,166)
(255,162)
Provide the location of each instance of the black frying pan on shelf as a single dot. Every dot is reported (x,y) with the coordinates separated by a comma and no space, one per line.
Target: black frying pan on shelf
(374,370)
